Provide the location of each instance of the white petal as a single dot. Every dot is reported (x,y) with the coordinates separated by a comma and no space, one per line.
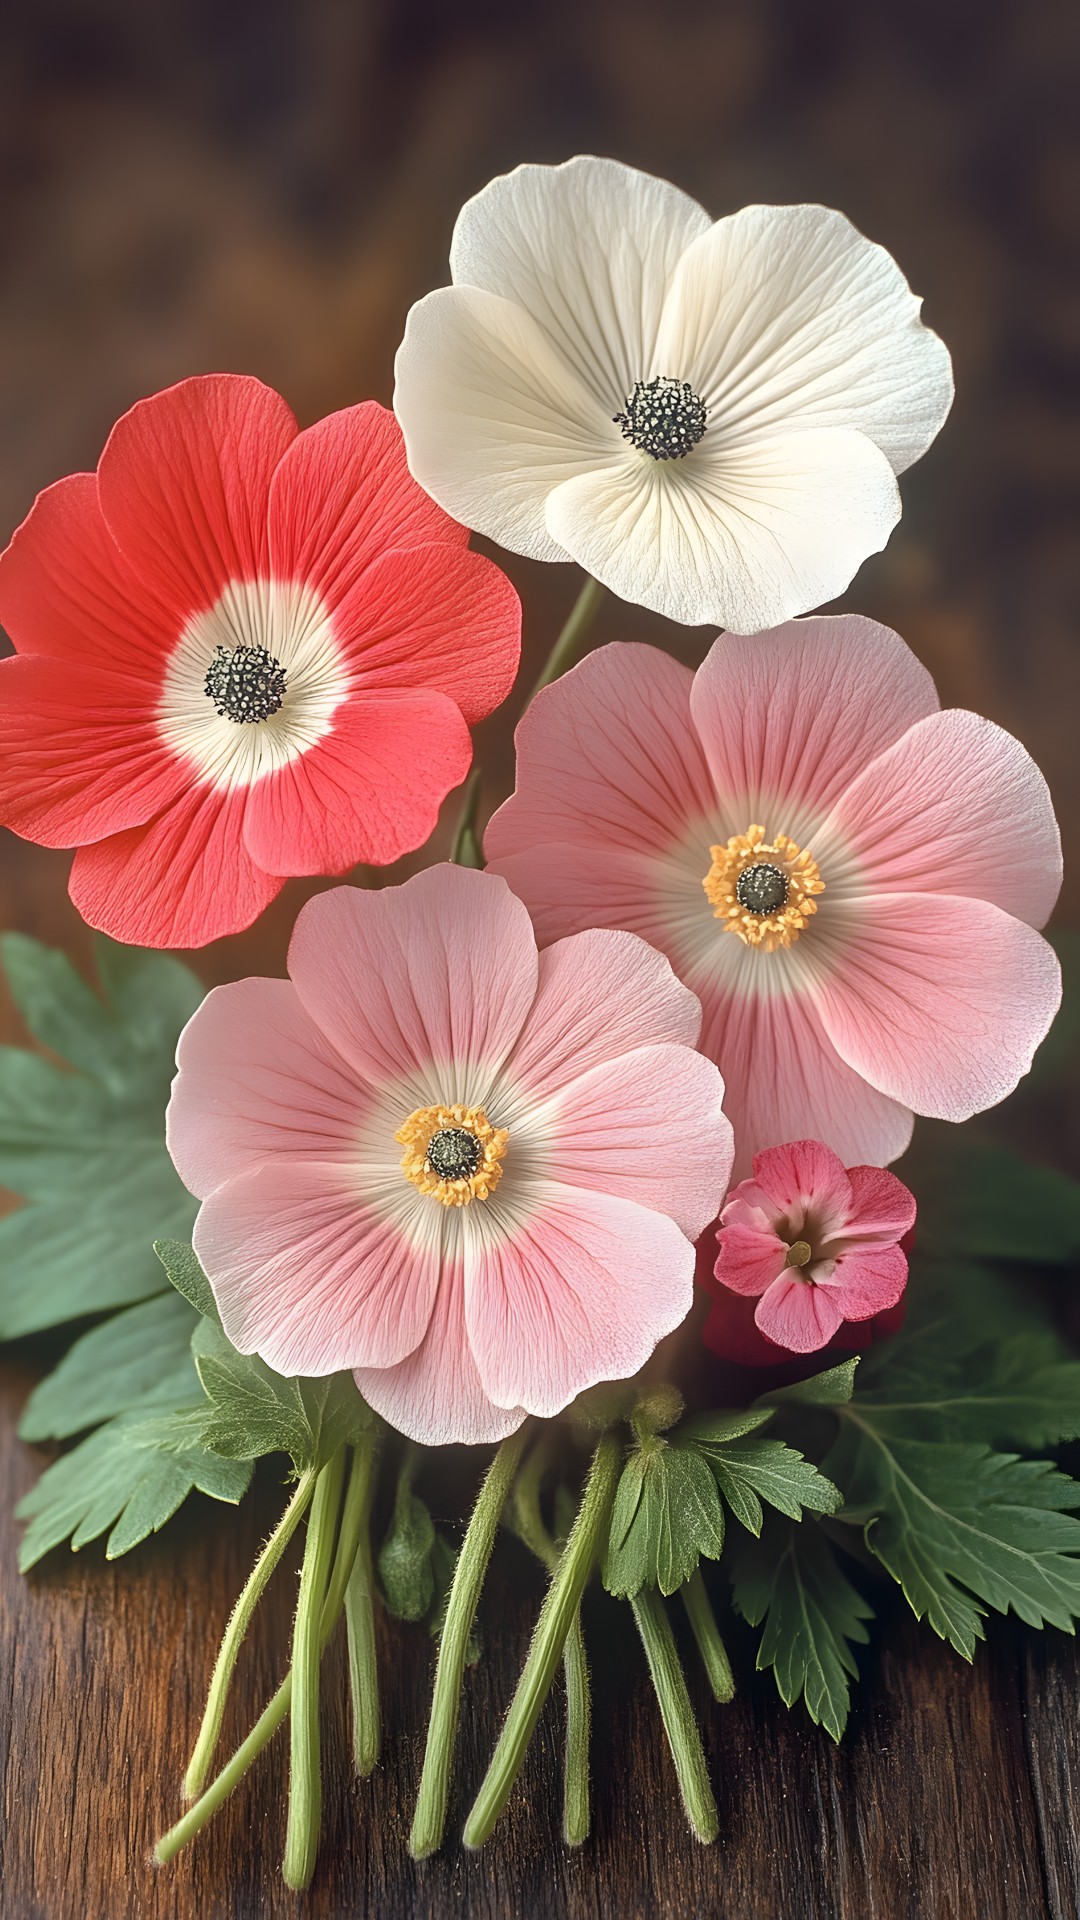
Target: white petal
(742,537)
(785,316)
(492,418)
(588,249)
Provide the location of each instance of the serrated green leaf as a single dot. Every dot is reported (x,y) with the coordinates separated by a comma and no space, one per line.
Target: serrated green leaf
(184,1269)
(979,1202)
(791,1579)
(254,1411)
(665,1516)
(1017,1392)
(829,1389)
(117,1482)
(406,1574)
(728,1425)
(135,1360)
(753,1469)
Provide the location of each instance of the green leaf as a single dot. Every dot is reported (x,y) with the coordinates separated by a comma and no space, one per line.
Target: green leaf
(119,1481)
(1017,1392)
(753,1469)
(137,1359)
(255,1411)
(406,1573)
(666,1514)
(829,1389)
(979,1202)
(791,1580)
(183,1267)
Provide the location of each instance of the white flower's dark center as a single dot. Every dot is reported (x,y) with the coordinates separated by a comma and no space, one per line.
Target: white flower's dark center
(762,888)
(663,418)
(245,683)
(454,1153)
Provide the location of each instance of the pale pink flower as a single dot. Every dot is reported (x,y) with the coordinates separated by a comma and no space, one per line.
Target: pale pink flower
(470,1172)
(814,1244)
(847,877)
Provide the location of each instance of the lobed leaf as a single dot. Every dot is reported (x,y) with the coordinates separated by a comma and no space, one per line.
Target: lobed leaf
(791,1581)
(138,1359)
(666,1514)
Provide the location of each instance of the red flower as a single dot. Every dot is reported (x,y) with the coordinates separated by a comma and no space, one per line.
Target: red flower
(243,652)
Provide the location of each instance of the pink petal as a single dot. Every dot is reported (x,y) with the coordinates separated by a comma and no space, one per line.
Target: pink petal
(798,1315)
(788,717)
(369,790)
(67,590)
(608,755)
(880,1204)
(436,1395)
(750,1258)
(867,1280)
(432,978)
(184,484)
(80,753)
(805,1174)
(311,1278)
(182,881)
(438,617)
(649,1126)
(600,994)
(569,889)
(578,1288)
(940,1003)
(956,806)
(258,1082)
(342,496)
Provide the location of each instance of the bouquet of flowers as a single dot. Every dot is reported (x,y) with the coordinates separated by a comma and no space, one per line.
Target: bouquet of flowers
(574,1146)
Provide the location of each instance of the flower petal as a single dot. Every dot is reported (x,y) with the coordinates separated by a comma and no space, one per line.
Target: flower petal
(608,754)
(798,1316)
(789,315)
(788,719)
(868,1280)
(881,1205)
(369,790)
(801,1174)
(578,1288)
(740,536)
(955,806)
(940,1002)
(750,1259)
(184,483)
(588,249)
(342,496)
(492,418)
(312,1279)
(181,881)
(436,1396)
(431,980)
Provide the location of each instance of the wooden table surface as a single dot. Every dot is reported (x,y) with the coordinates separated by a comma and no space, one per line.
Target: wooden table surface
(266,188)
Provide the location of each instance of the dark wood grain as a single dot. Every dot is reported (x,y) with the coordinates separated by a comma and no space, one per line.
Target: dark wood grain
(266,187)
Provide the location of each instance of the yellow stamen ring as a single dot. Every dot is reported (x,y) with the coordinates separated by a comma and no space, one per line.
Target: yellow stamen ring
(483,1149)
(800,874)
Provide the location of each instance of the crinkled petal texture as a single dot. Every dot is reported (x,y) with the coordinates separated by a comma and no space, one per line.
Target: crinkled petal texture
(324,1254)
(800,337)
(919,985)
(148,602)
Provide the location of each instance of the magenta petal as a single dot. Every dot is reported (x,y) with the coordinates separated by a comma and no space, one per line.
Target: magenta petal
(801,1174)
(309,1276)
(798,1316)
(867,1280)
(750,1258)
(436,1395)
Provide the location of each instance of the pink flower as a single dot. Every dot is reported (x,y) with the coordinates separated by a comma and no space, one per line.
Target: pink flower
(847,877)
(470,1172)
(243,652)
(813,1244)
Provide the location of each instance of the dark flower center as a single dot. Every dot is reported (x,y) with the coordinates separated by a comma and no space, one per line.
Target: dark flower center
(663,418)
(245,683)
(761,888)
(454,1153)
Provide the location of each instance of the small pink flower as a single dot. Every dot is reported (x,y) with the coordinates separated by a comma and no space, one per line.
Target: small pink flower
(470,1172)
(814,1244)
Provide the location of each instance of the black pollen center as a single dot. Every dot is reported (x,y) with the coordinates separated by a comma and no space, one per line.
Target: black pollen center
(663,418)
(453,1153)
(761,888)
(245,683)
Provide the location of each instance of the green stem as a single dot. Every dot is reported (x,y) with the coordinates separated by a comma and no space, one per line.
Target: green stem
(305,1770)
(680,1725)
(529,1525)
(235,1632)
(707,1634)
(360,1624)
(466,850)
(552,1628)
(429,1820)
(568,647)
(196,1817)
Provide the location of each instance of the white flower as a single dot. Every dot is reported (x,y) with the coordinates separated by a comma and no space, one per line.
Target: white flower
(708,416)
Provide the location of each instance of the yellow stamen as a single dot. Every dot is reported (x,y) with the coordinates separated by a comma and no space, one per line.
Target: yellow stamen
(419,1130)
(801,880)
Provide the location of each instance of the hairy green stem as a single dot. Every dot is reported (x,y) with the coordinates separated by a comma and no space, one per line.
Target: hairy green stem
(360,1622)
(235,1633)
(680,1725)
(305,1767)
(556,1617)
(713,1652)
(528,1523)
(429,1820)
(569,646)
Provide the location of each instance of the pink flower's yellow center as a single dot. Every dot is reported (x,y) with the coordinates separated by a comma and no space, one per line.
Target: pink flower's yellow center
(763,890)
(453,1153)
